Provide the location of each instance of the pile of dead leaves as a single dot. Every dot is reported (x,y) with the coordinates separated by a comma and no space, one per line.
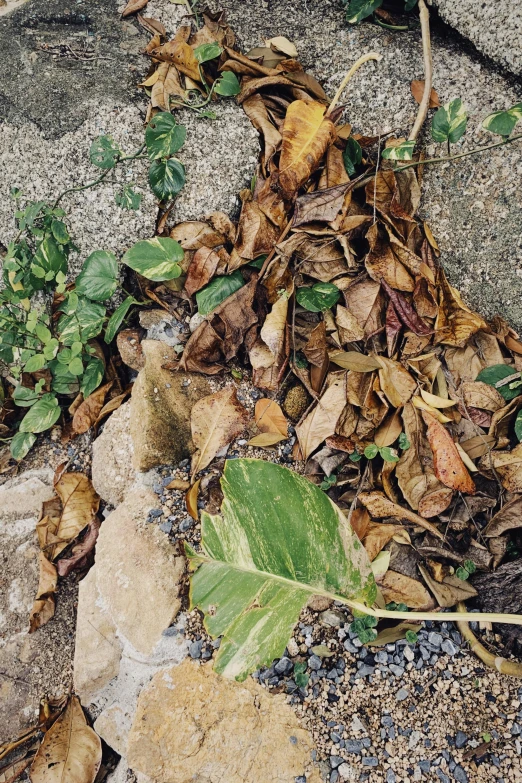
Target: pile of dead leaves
(330,282)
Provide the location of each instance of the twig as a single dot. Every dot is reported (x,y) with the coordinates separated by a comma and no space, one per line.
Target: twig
(428,71)
(460,154)
(512,668)
(355,67)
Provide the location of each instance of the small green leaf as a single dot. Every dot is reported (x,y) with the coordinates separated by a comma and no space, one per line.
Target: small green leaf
(318,297)
(42,415)
(403,151)
(92,377)
(70,303)
(228,84)
(486,736)
(449,122)
(355,456)
(76,349)
(60,233)
(24,397)
(503,122)
(75,366)
(388,454)
(518,425)
(352,155)
(117,317)
(128,198)
(63,382)
(470,566)
(371,451)
(404,443)
(84,324)
(21,444)
(166,178)
(156,259)
(219,289)
(35,363)
(411,637)
(43,333)
(98,279)
(358,10)
(368,635)
(164,137)
(257,263)
(408,5)
(50,258)
(104,152)
(497,372)
(301,679)
(462,573)
(207,52)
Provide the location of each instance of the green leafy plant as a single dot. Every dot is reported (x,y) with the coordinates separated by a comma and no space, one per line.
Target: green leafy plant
(328,482)
(219,289)
(404,443)
(357,10)
(352,155)
(411,637)
(300,676)
(386,452)
(503,123)
(466,569)
(449,122)
(402,151)
(504,379)
(318,297)
(364,627)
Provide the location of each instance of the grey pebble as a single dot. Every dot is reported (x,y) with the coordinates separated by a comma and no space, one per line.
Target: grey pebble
(460,739)
(314,662)
(166,526)
(397,670)
(460,775)
(387,720)
(435,639)
(409,654)
(335,761)
(334,776)
(448,647)
(515,730)
(442,776)
(154,513)
(353,746)
(186,524)
(402,694)
(195,648)
(390,776)
(381,657)
(424,765)
(370,761)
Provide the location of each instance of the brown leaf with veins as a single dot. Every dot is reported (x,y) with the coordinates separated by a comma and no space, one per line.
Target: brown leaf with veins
(255,234)
(450,591)
(322,420)
(193,234)
(349,328)
(60,525)
(508,518)
(88,412)
(215,421)
(365,301)
(201,270)
(307,134)
(180,54)
(377,536)
(417,90)
(508,466)
(447,462)
(455,323)
(257,113)
(379,506)
(320,206)
(396,382)
(270,418)
(79,556)
(382,264)
(481,395)
(405,590)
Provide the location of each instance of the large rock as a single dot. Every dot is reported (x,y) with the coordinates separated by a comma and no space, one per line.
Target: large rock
(160,408)
(31,665)
(112,470)
(194,725)
(138,572)
(495,28)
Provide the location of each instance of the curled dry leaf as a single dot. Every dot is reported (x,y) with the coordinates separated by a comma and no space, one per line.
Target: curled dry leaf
(87,414)
(191,500)
(71,751)
(507,465)
(133,6)
(79,504)
(481,395)
(79,556)
(265,439)
(389,430)
(447,462)
(377,536)
(450,591)
(417,90)
(322,420)
(307,134)
(215,421)
(44,603)
(396,382)
(270,418)
(180,485)
(405,590)
(379,506)
(508,518)
(393,634)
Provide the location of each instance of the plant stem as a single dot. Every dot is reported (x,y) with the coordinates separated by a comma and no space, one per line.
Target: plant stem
(428,71)
(390,26)
(511,668)
(460,154)
(355,67)
(135,156)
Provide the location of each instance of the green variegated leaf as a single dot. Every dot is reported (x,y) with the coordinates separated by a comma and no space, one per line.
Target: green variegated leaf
(280,540)
(449,122)
(503,122)
(357,10)
(403,151)
(156,259)
(164,137)
(21,444)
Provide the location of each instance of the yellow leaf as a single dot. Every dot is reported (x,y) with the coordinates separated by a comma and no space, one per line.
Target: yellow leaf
(390,429)
(307,134)
(436,402)
(466,459)
(191,499)
(423,406)
(355,361)
(270,418)
(266,439)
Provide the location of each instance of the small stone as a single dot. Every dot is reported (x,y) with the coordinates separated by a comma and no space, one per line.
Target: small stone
(381,657)
(460,775)
(515,730)
(293,648)
(402,694)
(332,618)
(448,647)
(346,771)
(186,524)
(390,776)
(195,648)
(387,720)
(336,761)
(398,671)
(409,654)
(425,765)
(435,638)
(314,662)
(460,739)
(370,761)
(350,647)
(284,666)
(353,746)
(365,671)
(166,527)
(334,776)
(442,776)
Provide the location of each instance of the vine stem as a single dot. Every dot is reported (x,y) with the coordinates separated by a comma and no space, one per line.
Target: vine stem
(135,156)
(355,67)
(460,154)
(511,668)
(428,71)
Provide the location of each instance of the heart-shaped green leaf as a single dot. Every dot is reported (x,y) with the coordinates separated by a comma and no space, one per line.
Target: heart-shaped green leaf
(42,415)
(319,297)
(357,10)
(98,279)
(503,122)
(49,259)
(164,137)
(104,152)
(117,317)
(449,122)
(35,363)
(352,155)
(92,376)
(403,151)
(219,289)
(82,325)
(227,84)
(279,540)
(24,397)
(499,372)
(156,259)
(166,178)
(128,198)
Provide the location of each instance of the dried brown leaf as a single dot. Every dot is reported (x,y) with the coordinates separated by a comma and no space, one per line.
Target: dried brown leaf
(447,462)
(417,90)
(379,506)
(191,500)
(79,556)
(44,603)
(133,6)
(405,590)
(322,420)
(270,418)
(215,421)
(450,591)
(88,412)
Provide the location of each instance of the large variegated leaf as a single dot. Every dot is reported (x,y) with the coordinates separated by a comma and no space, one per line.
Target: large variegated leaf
(279,540)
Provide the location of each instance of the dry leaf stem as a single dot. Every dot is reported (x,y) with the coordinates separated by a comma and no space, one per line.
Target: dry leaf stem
(454,157)
(512,668)
(355,67)
(428,70)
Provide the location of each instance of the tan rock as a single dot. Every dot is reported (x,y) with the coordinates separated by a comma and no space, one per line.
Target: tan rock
(112,470)
(194,725)
(318,603)
(98,651)
(22,496)
(138,572)
(111,727)
(160,408)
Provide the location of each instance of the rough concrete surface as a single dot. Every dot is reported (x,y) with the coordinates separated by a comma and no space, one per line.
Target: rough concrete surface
(493,26)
